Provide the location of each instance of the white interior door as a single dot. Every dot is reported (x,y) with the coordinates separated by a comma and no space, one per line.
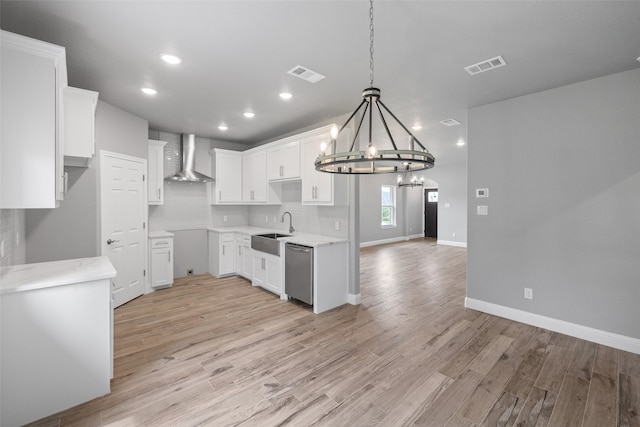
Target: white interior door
(124,212)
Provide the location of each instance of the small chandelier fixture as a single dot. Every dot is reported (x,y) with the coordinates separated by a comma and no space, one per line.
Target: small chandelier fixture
(413,182)
(373,160)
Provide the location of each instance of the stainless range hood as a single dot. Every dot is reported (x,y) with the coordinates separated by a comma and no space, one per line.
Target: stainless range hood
(188,172)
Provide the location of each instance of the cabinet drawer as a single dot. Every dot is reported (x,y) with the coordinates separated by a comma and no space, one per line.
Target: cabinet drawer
(227,237)
(160,243)
(243,239)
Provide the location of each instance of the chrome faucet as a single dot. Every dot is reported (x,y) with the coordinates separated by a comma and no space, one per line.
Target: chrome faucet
(291,229)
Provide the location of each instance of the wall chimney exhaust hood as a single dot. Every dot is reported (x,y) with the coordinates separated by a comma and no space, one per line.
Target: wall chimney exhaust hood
(188,172)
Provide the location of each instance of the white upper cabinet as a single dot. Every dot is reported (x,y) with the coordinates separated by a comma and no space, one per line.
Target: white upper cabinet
(317,187)
(254,177)
(227,172)
(79,126)
(283,161)
(155,172)
(33,77)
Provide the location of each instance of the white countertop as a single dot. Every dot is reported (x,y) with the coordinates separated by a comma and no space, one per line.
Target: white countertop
(306,239)
(159,234)
(27,277)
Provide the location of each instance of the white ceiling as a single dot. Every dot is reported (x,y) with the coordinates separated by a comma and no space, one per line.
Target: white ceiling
(236,55)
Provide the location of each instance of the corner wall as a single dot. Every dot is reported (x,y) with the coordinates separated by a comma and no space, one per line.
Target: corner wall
(564,207)
(73,229)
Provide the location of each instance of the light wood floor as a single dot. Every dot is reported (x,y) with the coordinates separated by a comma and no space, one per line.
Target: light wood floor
(219,352)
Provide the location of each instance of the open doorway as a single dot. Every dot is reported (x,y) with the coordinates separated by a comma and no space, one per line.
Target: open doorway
(431,212)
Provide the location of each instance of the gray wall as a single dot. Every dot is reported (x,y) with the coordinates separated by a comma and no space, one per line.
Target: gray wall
(450,179)
(73,229)
(12,233)
(562,168)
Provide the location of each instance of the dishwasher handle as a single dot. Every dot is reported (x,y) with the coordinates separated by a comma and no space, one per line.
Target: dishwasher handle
(297,248)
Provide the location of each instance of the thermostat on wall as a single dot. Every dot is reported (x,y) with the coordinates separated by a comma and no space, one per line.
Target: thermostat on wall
(482,192)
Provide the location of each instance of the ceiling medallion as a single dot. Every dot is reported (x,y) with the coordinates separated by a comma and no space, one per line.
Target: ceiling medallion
(372,160)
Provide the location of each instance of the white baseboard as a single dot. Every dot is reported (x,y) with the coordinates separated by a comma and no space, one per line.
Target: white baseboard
(610,339)
(451,243)
(415,236)
(353,299)
(383,241)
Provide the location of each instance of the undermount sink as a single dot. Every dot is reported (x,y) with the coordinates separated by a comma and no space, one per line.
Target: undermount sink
(267,242)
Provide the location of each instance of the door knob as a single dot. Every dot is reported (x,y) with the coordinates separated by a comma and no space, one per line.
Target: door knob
(110,241)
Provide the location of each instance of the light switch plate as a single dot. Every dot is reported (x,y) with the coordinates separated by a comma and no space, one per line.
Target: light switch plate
(336,225)
(483,210)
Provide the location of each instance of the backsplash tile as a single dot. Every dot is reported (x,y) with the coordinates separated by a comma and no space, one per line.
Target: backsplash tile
(11,225)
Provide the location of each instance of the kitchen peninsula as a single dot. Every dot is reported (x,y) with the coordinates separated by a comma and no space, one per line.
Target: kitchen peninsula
(230,253)
(57,336)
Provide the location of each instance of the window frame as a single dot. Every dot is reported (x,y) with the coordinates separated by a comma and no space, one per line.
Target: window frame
(392,207)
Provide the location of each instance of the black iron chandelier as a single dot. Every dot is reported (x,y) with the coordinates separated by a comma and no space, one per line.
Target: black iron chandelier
(373,160)
(414,181)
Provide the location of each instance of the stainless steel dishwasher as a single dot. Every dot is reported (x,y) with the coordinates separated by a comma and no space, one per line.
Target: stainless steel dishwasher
(298,272)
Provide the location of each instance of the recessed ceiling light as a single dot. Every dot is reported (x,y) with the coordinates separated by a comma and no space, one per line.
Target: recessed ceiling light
(223,127)
(148,90)
(416,127)
(170,59)
(449,122)
(249,114)
(460,142)
(286,95)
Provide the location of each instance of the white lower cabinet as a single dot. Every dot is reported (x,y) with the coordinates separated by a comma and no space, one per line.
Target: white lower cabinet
(161,261)
(222,258)
(267,272)
(244,256)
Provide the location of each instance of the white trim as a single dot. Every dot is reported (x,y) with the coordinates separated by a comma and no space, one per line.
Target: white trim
(451,243)
(383,241)
(598,336)
(416,236)
(353,299)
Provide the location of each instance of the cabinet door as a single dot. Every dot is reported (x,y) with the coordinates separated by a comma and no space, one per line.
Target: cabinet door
(227,257)
(324,188)
(259,270)
(283,162)
(155,172)
(309,152)
(161,267)
(228,173)
(274,164)
(254,177)
(247,262)
(79,126)
(32,75)
(291,160)
(274,275)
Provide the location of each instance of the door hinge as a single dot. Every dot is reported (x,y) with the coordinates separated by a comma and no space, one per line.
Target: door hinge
(142,177)
(144,225)
(144,273)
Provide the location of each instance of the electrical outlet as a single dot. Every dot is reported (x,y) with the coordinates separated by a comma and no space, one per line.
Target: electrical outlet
(453,234)
(266,219)
(483,210)
(224,218)
(336,225)
(2,248)
(528,293)
(275,219)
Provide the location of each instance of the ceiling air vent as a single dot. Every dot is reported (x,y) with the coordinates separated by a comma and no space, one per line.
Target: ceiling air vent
(449,122)
(487,65)
(305,74)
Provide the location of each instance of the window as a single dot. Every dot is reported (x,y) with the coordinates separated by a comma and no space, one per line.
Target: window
(388,203)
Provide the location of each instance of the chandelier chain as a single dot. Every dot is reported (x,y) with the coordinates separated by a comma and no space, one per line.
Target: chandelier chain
(371,43)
